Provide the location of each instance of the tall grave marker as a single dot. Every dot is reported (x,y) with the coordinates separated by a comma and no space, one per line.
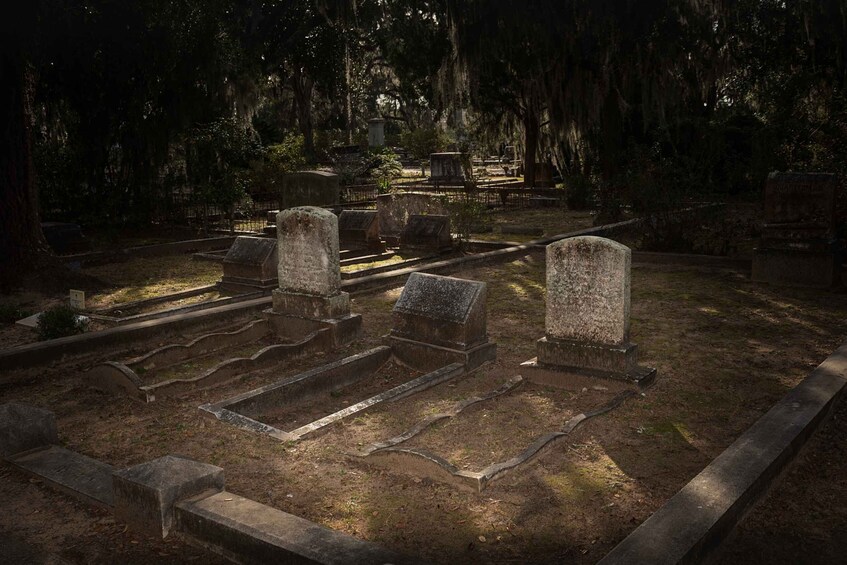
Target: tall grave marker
(309,293)
(799,245)
(588,310)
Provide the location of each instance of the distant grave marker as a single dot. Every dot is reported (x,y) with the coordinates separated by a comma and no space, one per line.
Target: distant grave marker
(446,167)
(359,228)
(310,188)
(250,264)
(798,245)
(426,233)
(77,299)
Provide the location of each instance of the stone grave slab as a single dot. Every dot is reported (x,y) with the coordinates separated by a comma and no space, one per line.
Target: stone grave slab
(588,309)
(359,228)
(395,209)
(144,495)
(250,264)
(441,319)
(799,245)
(426,233)
(310,188)
(446,167)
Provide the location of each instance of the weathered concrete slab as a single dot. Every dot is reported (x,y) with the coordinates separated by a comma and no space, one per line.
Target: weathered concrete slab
(251,532)
(251,263)
(359,227)
(24,427)
(310,188)
(690,527)
(426,233)
(394,209)
(145,494)
(446,167)
(73,473)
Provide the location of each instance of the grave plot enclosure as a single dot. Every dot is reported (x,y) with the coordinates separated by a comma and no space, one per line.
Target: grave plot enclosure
(439,334)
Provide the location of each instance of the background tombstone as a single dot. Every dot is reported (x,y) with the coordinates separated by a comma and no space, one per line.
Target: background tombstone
(799,245)
(588,310)
(376,132)
(359,228)
(310,188)
(441,320)
(250,264)
(427,233)
(446,167)
(309,296)
(395,209)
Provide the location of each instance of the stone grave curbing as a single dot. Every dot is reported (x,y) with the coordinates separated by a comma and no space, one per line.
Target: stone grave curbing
(145,494)
(441,320)
(587,314)
(799,244)
(24,427)
(359,229)
(250,264)
(309,296)
(426,234)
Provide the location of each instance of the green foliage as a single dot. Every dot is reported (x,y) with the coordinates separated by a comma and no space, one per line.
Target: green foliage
(423,141)
(59,321)
(580,192)
(218,157)
(384,166)
(465,214)
(10,313)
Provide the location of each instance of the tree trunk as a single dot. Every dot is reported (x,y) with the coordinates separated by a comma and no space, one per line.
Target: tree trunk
(21,239)
(303,87)
(531,129)
(348,79)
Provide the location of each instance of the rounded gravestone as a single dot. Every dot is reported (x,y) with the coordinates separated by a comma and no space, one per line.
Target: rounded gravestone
(588,288)
(308,251)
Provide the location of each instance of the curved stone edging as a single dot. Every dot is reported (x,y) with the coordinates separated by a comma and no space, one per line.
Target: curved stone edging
(239,366)
(509,385)
(440,469)
(174,353)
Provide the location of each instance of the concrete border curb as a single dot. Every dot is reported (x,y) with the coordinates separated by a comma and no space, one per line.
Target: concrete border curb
(693,524)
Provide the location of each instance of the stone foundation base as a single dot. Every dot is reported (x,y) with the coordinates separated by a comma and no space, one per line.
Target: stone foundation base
(572,378)
(310,306)
(610,361)
(425,357)
(342,330)
(789,267)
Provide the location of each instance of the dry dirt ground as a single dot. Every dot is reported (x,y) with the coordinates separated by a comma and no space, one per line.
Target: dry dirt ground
(726,349)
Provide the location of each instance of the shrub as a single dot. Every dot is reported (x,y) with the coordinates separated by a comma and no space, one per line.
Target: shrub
(10,313)
(59,321)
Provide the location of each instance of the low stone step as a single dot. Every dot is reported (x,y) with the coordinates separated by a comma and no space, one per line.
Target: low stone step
(250,532)
(73,473)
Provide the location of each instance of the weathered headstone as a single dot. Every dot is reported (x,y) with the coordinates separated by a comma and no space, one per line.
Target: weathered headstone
(359,228)
(439,320)
(395,209)
(77,299)
(588,308)
(376,132)
(798,245)
(309,295)
(250,264)
(426,233)
(310,188)
(446,167)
